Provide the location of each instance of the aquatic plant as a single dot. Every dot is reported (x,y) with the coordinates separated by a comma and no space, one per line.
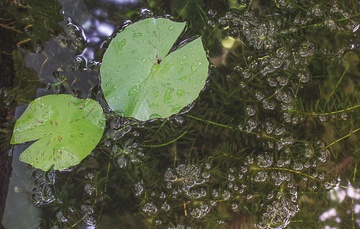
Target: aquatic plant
(141,79)
(275,128)
(65,129)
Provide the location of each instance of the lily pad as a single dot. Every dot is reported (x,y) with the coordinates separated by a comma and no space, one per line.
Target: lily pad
(66,130)
(143,80)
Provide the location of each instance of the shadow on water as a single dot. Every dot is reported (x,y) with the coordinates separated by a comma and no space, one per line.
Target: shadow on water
(271,142)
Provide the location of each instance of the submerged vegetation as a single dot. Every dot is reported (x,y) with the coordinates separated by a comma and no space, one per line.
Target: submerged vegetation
(270,142)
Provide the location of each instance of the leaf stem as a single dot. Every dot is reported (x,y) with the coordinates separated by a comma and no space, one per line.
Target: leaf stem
(166,143)
(287,170)
(211,122)
(327,113)
(342,138)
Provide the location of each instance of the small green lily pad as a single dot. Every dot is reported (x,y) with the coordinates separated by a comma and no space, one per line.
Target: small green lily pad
(143,80)
(66,130)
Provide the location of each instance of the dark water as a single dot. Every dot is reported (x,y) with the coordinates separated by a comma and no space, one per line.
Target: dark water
(271,142)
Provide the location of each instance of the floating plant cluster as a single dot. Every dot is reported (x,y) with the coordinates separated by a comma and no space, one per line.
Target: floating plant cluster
(262,139)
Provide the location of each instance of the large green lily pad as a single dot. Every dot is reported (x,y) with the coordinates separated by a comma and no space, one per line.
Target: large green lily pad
(142,79)
(66,130)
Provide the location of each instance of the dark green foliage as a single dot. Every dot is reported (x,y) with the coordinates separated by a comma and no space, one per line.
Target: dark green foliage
(275,128)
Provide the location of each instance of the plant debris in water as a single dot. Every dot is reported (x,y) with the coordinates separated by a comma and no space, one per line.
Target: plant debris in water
(275,129)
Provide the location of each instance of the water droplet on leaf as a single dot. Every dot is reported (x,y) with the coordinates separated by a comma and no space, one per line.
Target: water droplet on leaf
(121,44)
(168,98)
(137,35)
(154,116)
(153,105)
(180,93)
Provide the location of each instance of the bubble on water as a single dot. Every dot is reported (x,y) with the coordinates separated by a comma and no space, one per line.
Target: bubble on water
(246,74)
(268,126)
(323,155)
(287,117)
(269,104)
(296,119)
(272,82)
(89,220)
(150,208)
(279,131)
(121,161)
(231,177)
(222,21)
(90,176)
(89,189)
(280,163)
(146,13)
(210,23)
(317,11)
(211,13)
(250,110)
(309,152)
(322,118)
(60,217)
(200,211)
(344,116)
(283,96)
(261,176)
(254,66)
(276,62)
(169,175)
(259,95)
(306,50)
(234,207)
(313,186)
(297,166)
(226,195)
(330,24)
(215,193)
(249,160)
(165,207)
(283,81)
(205,175)
(87,209)
(304,77)
(264,160)
(251,125)
(287,140)
(190,175)
(138,188)
(179,119)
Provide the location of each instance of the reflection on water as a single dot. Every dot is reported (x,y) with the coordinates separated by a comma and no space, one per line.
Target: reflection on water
(18,202)
(335,216)
(262,146)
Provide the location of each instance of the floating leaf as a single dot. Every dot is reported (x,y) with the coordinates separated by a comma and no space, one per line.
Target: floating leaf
(142,79)
(66,130)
